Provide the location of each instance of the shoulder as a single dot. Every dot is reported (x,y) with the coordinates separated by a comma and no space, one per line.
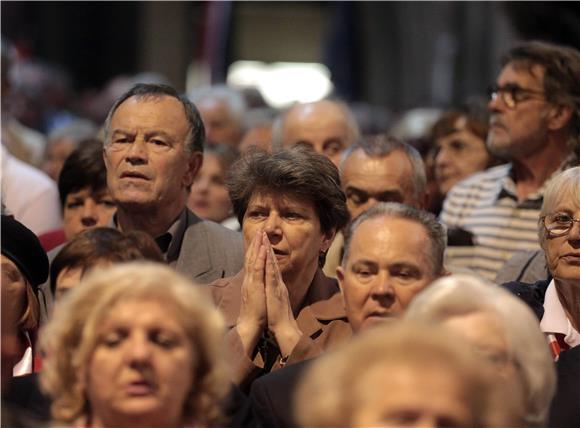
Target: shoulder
(482,180)
(532,294)
(216,233)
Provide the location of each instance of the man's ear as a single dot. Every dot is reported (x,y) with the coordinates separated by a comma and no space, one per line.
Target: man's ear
(327,240)
(559,116)
(105,157)
(340,278)
(194,164)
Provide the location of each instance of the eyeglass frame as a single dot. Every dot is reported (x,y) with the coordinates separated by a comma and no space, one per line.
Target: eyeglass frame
(557,235)
(510,94)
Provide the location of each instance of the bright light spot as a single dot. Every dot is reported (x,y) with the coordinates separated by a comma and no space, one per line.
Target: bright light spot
(282,83)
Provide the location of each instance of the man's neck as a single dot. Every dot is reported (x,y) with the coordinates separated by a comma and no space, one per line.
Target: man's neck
(153,221)
(531,172)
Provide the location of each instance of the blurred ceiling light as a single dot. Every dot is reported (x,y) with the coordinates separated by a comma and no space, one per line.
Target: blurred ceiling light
(282,83)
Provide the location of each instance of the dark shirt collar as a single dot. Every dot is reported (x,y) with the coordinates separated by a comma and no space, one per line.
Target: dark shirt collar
(169,242)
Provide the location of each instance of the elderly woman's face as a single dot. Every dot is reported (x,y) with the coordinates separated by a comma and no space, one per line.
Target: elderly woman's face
(292,225)
(142,364)
(430,397)
(563,252)
(485,334)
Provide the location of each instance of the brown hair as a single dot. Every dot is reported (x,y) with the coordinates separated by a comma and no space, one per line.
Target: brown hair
(297,170)
(103,244)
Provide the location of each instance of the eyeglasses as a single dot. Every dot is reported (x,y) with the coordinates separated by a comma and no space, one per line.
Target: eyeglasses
(558,224)
(512,94)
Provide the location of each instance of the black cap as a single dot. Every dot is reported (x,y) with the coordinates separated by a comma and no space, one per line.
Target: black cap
(22,246)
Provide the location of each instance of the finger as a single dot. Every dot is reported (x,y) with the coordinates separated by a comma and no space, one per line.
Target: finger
(253,249)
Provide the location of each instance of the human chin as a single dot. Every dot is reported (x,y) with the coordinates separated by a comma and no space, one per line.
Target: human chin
(373,320)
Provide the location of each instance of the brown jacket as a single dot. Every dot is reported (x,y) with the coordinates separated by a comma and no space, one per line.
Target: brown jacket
(322,321)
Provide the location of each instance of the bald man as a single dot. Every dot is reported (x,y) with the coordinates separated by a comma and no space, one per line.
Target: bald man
(328,127)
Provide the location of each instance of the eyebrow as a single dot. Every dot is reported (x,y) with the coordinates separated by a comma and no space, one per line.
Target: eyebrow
(379,193)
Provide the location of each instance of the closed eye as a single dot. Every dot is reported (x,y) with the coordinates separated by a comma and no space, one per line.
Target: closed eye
(113,338)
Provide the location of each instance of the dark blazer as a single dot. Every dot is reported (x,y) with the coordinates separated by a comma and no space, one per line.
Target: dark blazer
(532,294)
(565,409)
(272,396)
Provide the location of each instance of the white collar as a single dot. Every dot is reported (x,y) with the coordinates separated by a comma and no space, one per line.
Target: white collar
(555,319)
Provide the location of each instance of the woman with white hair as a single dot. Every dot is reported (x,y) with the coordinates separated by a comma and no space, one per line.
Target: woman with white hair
(499,328)
(137,345)
(556,302)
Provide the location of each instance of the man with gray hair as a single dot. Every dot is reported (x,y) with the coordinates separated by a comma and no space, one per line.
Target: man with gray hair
(373,170)
(328,127)
(153,151)
(223,111)
(392,252)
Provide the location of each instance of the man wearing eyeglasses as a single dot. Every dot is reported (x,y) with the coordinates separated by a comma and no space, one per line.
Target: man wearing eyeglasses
(535,124)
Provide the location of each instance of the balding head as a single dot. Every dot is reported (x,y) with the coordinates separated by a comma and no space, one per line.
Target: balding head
(326,126)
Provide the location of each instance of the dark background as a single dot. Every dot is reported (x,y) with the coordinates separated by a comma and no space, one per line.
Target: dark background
(394,54)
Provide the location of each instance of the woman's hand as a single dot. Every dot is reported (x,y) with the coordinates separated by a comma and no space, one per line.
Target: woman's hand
(280,318)
(253,315)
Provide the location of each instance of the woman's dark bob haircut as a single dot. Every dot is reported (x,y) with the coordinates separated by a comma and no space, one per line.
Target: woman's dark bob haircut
(299,171)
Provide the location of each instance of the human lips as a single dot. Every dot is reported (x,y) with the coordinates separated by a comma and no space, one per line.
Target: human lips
(279,253)
(377,316)
(134,175)
(140,387)
(571,258)
(496,123)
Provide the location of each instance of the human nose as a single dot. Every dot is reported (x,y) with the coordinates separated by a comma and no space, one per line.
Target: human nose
(495,102)
(574,233)
(137,152)
(272,228)
(442,158)
(89,214)
(202,184)
(139,350)
(383,287)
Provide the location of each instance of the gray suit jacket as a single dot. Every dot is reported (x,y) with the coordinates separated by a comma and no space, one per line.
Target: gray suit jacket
(202,250)
(207,250)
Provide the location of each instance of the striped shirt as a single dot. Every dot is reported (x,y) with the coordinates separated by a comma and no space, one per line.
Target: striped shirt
(486,205)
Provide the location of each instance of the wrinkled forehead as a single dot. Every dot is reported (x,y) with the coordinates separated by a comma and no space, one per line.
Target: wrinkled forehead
(523,72)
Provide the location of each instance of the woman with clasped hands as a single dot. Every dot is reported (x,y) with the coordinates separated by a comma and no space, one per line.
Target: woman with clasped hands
(135,346)
(281,308)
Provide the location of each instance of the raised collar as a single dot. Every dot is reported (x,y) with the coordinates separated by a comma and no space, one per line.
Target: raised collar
(555,319)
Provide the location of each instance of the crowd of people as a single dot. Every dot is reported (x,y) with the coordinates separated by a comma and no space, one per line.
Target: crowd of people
(200,260)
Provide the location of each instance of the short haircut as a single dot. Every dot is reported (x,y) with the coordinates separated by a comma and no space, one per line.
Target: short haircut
(564,186)
(298,170)
(103,244)
(435,231)
(278,126)
(561,79)
(336,385)
(146,91)
(463,294)
(231,98)
(379,146)
(84,168)
(71,336)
